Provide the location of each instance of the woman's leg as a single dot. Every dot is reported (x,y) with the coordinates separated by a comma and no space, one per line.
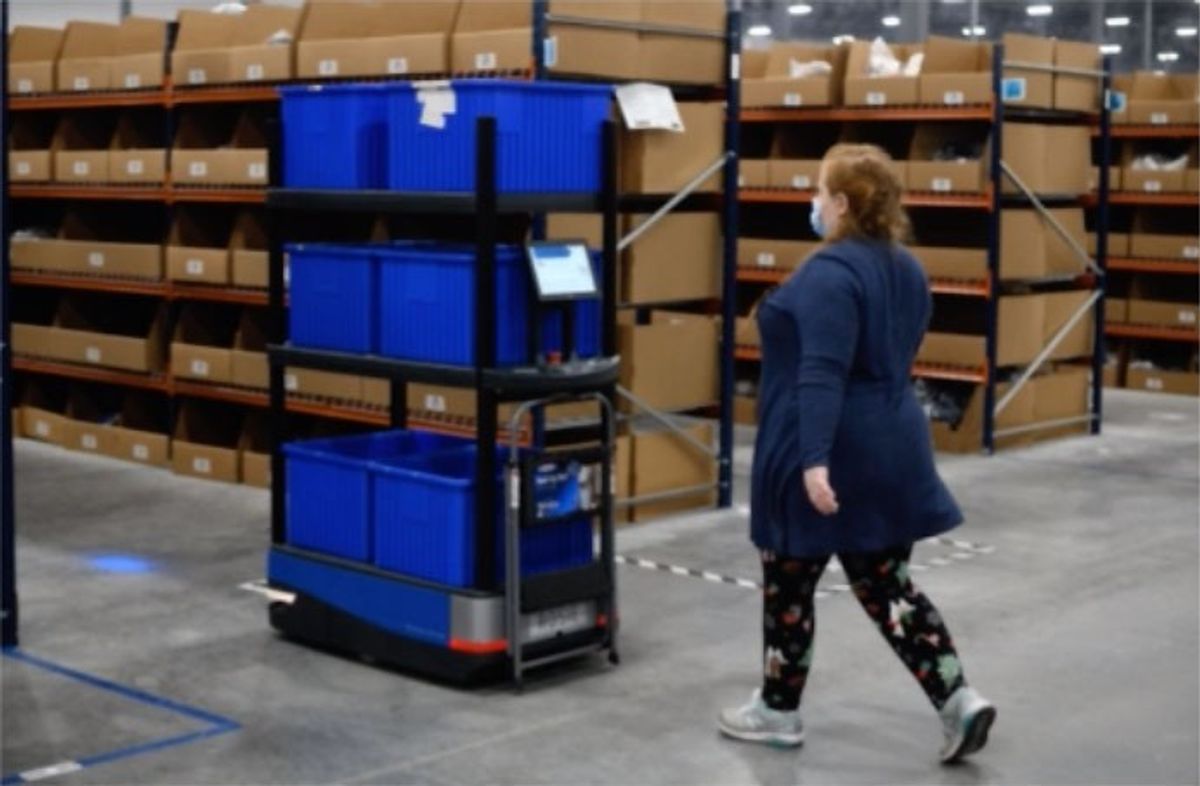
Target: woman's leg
(907,619)
(789,624)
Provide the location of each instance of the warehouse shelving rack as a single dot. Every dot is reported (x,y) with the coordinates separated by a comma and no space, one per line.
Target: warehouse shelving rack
(489,629)
(9,610)
(1092,276)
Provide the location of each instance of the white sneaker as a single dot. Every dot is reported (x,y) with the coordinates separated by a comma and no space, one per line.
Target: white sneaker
(756,722)
(966,719)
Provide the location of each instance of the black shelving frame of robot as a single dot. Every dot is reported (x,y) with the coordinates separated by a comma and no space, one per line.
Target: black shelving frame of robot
(303,616)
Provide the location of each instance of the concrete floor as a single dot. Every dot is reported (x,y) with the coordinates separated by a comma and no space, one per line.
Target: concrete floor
(1072,592)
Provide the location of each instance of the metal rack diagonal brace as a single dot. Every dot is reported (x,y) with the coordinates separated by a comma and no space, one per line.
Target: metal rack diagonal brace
(673,202)
(1058,228)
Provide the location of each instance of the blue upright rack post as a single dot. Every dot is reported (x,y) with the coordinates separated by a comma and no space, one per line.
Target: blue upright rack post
(8,560)
(1099,351)
(994,218)
(729,230)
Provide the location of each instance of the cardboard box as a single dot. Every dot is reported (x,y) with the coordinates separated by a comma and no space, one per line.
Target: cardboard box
(1162,99)
(1161,313)
(80,148)
(774,254)
(43,413)
(1162,246)
(753,173)
(322,384)
(221,48)
(615,54)
(492,35)
(678,259)
(746,332)
(342,39)
(745,410)
(1118,244)
(89,331)
(670,363)
(32,54)
(80,249)
(797,174)
(139,435)
(1114,178)
(197,247)
(1152,181)
(1191,182)
(208,151)
(254,445)
(249,258)
(138,58)
(768,81)
(377,393)
(1116,310)
(662,461)
(1024,87)
(83,61)
(1030,248)
(1112,375)
(460,406)
(249,368)
(88,427)
(1071,92)
(864,90)
(1183,383)
(663,162)
(683,60)
(202,347)
(205,443)
(923,173)
(136,154)
(955,72)
(952,264)
(30,159)
(1048,159)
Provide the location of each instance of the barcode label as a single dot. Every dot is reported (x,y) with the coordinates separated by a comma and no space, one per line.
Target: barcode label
(485,61)
(133,81)
(82,83)
(1159,118)
(141,452)
(198,169)
(202,465)
(197,76)
(327,67)
(550,51)
(290,383)
(1153,186)
(92,354)
(793,99)
(23,168)
(96,259)
(257,171)
(1191,252)
(24,85)
(941,184)
(397,65)
(765,259)
(876,98)
(254,71)
(194,267)
(81,168)
(42,429)
(801,181)
(135,166)
(435,403)
(1187,317)
(741,181)
(954,97)
(199,367)
(1154,383)
(88,441)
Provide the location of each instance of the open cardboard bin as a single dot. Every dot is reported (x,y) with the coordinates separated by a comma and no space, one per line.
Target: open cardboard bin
(30,138)
(771,254)
(1159,234)
(202,347)
(80,148)
(1157,181)
(84,60)
(796,154)
(213,148)
(254,445)
(1162,301)
(206,441)
(92,412)
(222,48)
(44,412)
(138,59)
(930,166)
(83,245)
(1158,99)
(955,72)
(142,430)
(77,328)
(138,151)
(767,78)
(249,258)
(862,89)
(249,359)
(32,55)
(367,38)
(1159,368)
(198,247)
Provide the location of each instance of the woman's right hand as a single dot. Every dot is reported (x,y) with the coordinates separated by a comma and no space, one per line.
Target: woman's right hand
(820,493)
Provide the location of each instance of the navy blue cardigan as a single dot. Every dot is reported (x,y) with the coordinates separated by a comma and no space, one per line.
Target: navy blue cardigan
(839,339)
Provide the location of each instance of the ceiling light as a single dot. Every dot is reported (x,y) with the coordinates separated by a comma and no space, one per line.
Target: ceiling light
(759,31)
(890,21)
(1117,21)
(800,9)
(977,30)
(842,39)
(1110,49)
(1185,32)
(1039,10)
(1168,57)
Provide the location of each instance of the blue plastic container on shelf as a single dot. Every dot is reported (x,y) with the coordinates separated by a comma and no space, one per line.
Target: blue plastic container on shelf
(334,297)
(329,487)
(335,136)
(548,134)
(425,524)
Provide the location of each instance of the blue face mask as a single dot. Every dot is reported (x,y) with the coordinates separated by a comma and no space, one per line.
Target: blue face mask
(814,218)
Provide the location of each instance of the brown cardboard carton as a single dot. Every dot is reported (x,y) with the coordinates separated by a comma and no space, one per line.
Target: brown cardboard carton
(1152,181)
(1059,395)
(80,149)
(80,248)
(136,155)
(1122,87)
(1030,248)
(1048,159)
(955,72)
(322,384)
(32,53)
(208,151)
(248,362)
(683,60)
(768,81)
(254,444)
(1183,383)
(797,174)
(662,461)
(1075,92)
(746,332)
(1114,178)
(1025,87)
(962,175)
(459,406)
(139,435)
(86,331)
(220,48)
(197,248)
(864,90)
(1112,375)
(753,174)
(245,163)
(249,258)
(678,259)
(29,166)
(1163,99)
(205,443)
(83,61)
(663,162)
(369,39)
(615,54)
(745,410)
(30,159)
(492,35)
(1191,180)
(1163,246)
(671,363)
(1118,244)
(952,264)
(202,347)
(967,435)
(377,392)
(774,254)
(255,55)
(1116,310)
(43,414)
(138,54)
(201,54)
(88,430)
(1163,313)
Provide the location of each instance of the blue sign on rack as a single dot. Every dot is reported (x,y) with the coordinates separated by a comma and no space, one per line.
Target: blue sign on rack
(1013,89)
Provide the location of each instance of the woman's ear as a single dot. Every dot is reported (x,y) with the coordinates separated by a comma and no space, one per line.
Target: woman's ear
(840,203)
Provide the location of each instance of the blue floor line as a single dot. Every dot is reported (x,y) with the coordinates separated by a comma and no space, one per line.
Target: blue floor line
(217,724)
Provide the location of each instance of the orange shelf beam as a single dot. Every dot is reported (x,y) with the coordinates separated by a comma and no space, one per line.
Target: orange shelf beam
(226,94)
(1182,335)
(1144,199)
(90,100)
(128,379)
(752,275)
(250,196)
(938,286)
(981,112)
(747,353)
(1176,131)
(954,373)
(1135,265)
(913,199)
(116,286)
(237,196)
(218,294)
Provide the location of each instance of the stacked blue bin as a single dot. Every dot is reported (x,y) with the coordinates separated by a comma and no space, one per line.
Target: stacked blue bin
(336,136)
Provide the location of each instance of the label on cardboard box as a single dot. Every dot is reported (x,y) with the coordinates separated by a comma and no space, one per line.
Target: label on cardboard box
(96,259)
(876,98)
(254,72)
(941,184)
(327,67)
(198,169)
(1154,383)
(397,65)
(1187,317)
(1191,252)
(80,168)
(801,181)
(82,83)
(199,367)
(954,97)
(1159,118)
(133,81)
(765,259)
(23,168)
(197,76)
(141,452)
(88,441)
(793,99)
(485,61)
(202,465)
(435,403)
(1014,88)
(1153,186)
(257,171)
(24,85)
(290,383)
(41,428)
(92,354)
(135,166)
(550,51)
(194,267)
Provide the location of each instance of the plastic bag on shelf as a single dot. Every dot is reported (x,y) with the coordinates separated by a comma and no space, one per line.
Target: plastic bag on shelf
(882,62)
(1157,162)
(945,402)
(799,70)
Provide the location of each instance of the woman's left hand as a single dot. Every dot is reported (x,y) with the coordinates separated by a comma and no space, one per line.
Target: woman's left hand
(820,493)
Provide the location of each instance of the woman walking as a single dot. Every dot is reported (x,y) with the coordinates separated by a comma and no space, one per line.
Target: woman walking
(844,462)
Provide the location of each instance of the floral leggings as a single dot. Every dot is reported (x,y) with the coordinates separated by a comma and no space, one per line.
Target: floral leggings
(880,581)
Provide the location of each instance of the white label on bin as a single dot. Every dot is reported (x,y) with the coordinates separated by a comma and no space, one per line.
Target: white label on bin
(141,452)
(954,97)
(550,51)
(1159,118)
(197,76)
(96,259)
(793,99)
(801,181)
(435,403)
(135,166)
(1187,317)
(24,85)
(1154,383)
(327,67)
(81,168)
(82,83)
(397,65)
(42,429)
(88,441)
(437,100)
(194,267)
(485,61)
(1153,186)
(202,465)
(198,169)
(199,367)
(133,81)
(254,72)
(942,184)
(1013,89)
(92,354)
(765,259)
(23,168)
(1191,252)
(257,171)
(876,98)
(290,383)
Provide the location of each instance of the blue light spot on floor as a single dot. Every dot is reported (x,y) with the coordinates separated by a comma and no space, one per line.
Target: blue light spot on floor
(121,563)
